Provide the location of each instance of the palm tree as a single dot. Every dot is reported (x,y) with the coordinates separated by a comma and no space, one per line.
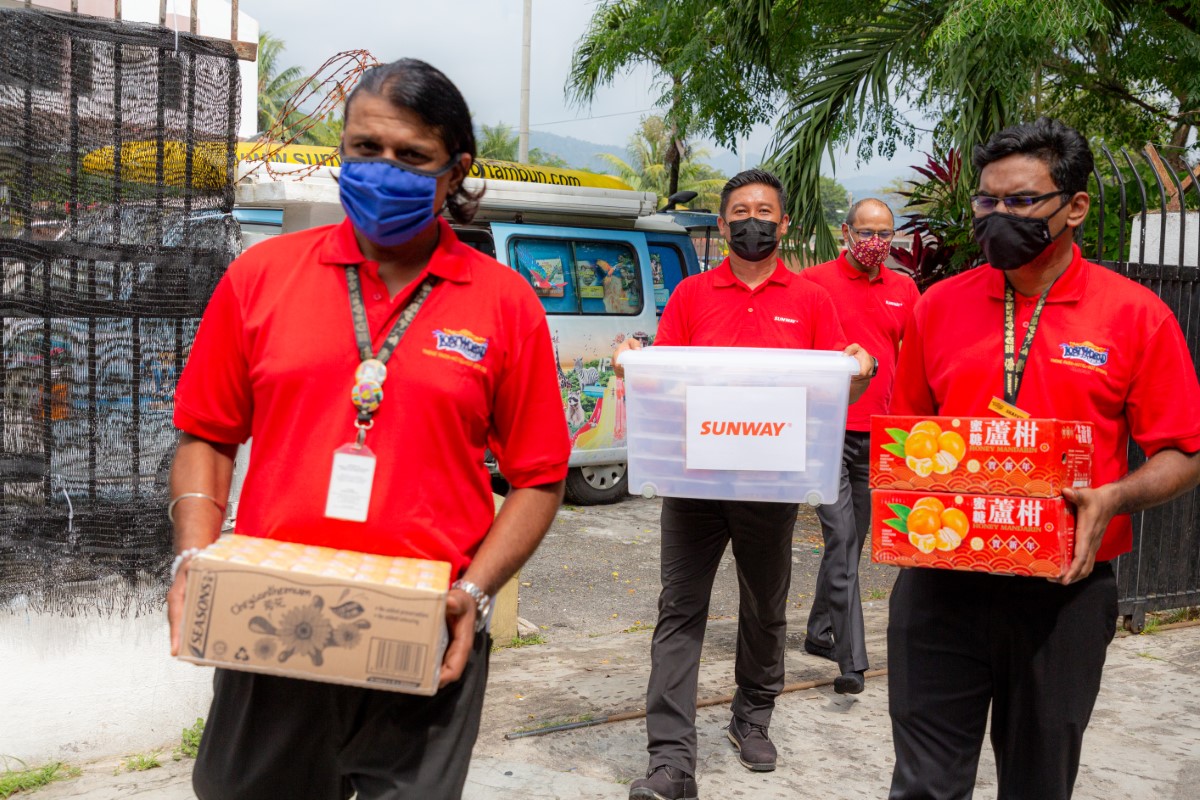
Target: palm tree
(275,85)
(499,142)
(646,171)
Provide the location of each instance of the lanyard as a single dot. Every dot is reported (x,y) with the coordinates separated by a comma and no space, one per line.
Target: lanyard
(367,394)
(1014,363)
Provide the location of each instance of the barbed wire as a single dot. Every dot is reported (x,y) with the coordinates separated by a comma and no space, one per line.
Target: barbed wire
(329,86)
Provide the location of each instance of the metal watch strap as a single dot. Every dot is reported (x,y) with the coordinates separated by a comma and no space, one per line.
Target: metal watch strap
(483,603)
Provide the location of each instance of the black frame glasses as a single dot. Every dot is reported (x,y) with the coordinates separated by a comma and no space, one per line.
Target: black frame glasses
(1014,202)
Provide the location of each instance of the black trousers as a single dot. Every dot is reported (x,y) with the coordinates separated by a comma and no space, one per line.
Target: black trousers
(1031,649)
(837,616)
(694,535)
(268,738)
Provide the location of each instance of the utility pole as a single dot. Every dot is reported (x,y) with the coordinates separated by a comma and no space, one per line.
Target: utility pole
(523,136)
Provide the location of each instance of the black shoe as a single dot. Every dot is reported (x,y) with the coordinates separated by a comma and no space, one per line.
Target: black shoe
(755,750)
(664,783)
(849,683)
(821,650)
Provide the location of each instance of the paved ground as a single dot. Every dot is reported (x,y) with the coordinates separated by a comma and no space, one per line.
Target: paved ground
(1144,741)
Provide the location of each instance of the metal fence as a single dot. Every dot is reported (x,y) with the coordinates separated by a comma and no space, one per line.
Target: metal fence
(116,160)
(1146,226)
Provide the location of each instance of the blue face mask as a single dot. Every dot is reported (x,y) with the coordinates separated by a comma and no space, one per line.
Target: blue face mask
(389,202)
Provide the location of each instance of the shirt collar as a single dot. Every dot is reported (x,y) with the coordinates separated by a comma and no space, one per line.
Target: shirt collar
(724,277)
(1069,287)
(855,274)
(450,259)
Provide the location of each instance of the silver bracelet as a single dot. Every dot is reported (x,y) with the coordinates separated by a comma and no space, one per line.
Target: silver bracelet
(483,602)
(179,559)
(184,496)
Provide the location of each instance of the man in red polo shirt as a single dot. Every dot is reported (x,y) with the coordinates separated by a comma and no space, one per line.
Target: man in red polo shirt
(387,341)
(750,300)
(874,304)
(1041,329)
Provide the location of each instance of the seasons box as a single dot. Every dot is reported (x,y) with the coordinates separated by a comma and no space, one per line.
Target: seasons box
(980,455)
(317,613)
(984,533)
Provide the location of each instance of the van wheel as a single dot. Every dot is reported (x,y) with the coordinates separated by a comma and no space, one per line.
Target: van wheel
(597,484)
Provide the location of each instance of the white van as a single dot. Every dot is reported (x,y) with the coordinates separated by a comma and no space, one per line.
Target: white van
(603,261)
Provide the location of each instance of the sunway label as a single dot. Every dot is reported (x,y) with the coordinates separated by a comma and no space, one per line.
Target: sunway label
(746,428)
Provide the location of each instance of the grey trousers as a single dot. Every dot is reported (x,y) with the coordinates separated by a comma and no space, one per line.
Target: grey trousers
(837,617)
(694,535)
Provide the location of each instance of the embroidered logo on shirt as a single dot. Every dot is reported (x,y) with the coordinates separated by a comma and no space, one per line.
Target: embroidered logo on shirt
(894,303)
(463,342)
(1087,352)
(786,319)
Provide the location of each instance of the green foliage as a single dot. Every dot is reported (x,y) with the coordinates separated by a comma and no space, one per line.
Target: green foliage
(139,762)
(835,201)
(275,83)
(502,143)
(189,741)
(646,171)
(20,780)
(521,641)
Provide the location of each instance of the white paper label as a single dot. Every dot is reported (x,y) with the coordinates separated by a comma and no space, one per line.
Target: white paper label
(746,428)
(350,484)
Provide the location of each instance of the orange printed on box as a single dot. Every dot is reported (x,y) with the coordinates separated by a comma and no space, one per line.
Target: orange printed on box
(1033,536)
(980,455)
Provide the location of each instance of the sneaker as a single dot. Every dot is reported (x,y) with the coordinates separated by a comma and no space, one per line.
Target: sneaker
(821,650)
(755,750)
(849,683)
(664,783)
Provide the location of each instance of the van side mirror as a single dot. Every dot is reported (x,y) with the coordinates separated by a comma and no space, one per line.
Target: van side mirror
(677,198)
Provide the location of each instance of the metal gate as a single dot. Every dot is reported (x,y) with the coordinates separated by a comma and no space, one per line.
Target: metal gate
(1147,227)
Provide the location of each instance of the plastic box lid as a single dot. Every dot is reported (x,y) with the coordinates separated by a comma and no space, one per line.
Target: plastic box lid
(774,358)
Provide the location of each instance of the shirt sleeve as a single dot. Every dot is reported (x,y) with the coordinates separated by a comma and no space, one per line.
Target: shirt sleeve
(911,394)
(672,325)
(213,399)
(827,325)
(529,427)
(1164,394)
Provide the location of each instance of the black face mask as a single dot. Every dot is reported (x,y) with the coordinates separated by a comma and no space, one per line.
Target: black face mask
(753,239)
(1010,241)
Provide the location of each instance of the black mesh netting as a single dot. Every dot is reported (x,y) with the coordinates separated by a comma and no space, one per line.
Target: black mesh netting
(116,159)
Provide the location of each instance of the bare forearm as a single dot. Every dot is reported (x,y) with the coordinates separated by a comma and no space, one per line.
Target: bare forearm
(523,520)
(1165,476)
(204,467)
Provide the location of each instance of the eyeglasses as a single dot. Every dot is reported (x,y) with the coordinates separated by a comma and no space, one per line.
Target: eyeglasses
(887,233)
(986,204)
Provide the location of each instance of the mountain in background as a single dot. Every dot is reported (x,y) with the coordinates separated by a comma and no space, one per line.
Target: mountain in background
(577,153)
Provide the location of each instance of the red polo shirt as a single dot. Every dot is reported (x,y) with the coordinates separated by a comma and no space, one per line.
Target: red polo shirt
(716,309)
(274,358)
(1106,350)
(874,313)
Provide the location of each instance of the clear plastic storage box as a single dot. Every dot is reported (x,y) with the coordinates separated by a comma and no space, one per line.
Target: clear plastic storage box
(736,423)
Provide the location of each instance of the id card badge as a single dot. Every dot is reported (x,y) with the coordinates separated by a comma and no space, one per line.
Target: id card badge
(350,483)
(1007,409)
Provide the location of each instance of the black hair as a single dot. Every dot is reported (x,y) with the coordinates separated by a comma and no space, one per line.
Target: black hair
(425,90)
(1060,147)
(749,177)
(860,203)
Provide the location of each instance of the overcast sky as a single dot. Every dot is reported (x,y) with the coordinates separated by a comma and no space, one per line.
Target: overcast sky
(477,43)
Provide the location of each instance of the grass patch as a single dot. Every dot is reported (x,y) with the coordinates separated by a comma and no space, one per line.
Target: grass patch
(20,780)
(1158,619)
(877,594)
(139,762)
(520,641)
(189,741)
(638,627)
(1144,654)
(550,723)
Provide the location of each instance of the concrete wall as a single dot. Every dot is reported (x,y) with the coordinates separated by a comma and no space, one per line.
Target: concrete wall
(1154,233)
(85,687)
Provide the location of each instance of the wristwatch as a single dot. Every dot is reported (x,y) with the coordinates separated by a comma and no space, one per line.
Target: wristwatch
(483,603)
(874,367)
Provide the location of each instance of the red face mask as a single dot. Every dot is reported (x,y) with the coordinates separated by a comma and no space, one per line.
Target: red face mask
(870,252)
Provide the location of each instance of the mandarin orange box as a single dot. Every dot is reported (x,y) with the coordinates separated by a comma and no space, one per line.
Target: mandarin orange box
(301,611)
(980,455)
(983,533)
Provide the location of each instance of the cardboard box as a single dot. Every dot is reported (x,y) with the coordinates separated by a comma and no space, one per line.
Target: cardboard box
(984,533)
(300,611)
(980,455)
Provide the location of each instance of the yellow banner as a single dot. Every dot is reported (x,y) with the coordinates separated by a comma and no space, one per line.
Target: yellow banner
(139,164)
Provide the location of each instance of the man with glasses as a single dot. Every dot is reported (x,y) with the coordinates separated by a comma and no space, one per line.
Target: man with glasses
(1038,331)
(874,304)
